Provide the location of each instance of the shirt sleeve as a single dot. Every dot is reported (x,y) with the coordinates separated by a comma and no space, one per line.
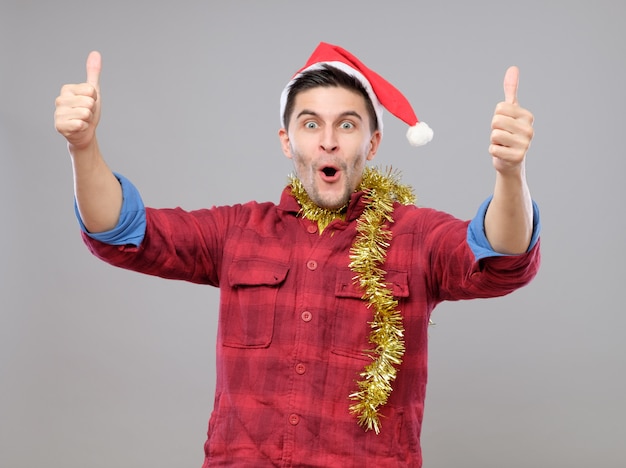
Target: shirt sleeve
(131,227)
(477,239)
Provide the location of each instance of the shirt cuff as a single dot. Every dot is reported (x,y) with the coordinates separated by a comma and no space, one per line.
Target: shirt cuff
(477,239)
(131,227)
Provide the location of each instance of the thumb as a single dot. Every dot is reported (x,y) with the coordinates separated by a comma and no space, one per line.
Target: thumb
(511,80)
(94,66)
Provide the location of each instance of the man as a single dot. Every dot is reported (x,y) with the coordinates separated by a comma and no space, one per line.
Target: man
(325,297)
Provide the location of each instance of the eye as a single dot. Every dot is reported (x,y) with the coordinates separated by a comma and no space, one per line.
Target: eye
(346,125)
(310,125)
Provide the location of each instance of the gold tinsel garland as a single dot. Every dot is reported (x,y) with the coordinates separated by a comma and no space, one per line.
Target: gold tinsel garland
(367,256)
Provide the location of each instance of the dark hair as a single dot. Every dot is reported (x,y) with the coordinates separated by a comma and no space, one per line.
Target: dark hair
(327,76)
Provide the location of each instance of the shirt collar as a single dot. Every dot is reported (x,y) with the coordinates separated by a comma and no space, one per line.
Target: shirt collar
(356,205)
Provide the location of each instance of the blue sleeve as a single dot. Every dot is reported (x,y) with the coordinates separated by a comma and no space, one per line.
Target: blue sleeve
(131,226)
(477,239)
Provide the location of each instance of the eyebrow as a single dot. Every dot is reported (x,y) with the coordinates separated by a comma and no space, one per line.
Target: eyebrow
(342,115)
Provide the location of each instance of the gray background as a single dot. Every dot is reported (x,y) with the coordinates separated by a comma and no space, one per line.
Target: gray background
(100,367)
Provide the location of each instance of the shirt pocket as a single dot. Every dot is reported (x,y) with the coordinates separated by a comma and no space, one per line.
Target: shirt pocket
(247,319)
(353,316)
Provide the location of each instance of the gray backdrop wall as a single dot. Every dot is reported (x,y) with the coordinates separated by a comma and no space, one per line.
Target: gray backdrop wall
(101,367)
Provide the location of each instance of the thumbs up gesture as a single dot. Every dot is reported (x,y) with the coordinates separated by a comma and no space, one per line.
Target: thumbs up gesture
(78,107)
(511,128)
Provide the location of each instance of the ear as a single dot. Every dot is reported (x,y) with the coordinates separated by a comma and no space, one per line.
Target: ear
(374,144)
(284,142)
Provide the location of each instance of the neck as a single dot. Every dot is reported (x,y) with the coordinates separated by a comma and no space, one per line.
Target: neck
(309,210)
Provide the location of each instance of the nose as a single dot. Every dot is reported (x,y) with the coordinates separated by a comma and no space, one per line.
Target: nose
(328,141)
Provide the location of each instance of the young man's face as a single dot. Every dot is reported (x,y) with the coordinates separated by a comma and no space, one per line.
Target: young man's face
(329,141)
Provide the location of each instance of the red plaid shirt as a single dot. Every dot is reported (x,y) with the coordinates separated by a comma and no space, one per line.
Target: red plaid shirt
(292,325)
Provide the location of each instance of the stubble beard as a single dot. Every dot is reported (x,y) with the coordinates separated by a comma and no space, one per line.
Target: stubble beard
(309,179)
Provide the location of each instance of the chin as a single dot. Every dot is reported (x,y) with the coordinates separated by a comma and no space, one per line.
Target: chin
(332,204)
(330,200)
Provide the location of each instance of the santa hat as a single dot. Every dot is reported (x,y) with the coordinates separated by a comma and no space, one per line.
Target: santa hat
(382,93)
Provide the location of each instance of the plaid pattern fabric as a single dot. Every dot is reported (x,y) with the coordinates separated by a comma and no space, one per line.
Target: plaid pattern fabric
(292,326)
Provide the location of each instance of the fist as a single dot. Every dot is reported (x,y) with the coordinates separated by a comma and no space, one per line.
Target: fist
(78,107)
(511,128)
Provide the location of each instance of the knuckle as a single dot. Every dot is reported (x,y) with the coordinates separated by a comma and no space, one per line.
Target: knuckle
(67,89)
(497,135)
(501,108)
(86,102)
(526,132)
(84,114)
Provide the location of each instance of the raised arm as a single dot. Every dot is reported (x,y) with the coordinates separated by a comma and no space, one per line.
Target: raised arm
(509,218)
(97,190)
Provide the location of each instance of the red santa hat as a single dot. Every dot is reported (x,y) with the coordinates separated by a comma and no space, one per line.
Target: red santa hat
(382,93)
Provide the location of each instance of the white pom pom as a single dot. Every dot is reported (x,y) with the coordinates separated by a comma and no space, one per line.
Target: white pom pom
(419,134)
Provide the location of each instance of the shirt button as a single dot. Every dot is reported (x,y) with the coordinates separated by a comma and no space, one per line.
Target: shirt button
(312,228)
(311,265)
(307,316)
(300,368)
(294,419)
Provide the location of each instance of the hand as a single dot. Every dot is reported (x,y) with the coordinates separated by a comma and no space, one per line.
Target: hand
(511,128)
(78,107)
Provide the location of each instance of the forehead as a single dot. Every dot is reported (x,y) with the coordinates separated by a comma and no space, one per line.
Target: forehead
(330,100)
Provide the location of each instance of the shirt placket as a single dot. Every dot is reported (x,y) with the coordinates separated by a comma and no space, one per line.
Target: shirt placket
(310,261)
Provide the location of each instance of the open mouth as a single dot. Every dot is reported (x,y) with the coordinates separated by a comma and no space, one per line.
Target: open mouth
(329,171)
